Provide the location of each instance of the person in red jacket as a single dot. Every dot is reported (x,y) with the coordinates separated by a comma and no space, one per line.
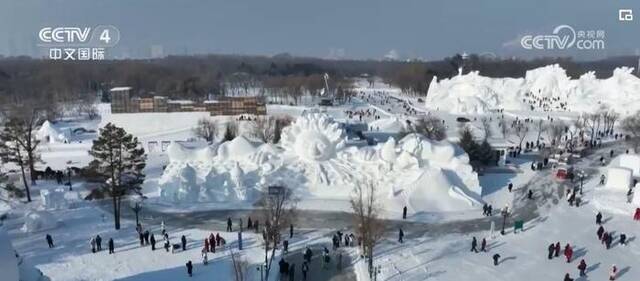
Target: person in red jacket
(636,216)
(568,252)
(582,267)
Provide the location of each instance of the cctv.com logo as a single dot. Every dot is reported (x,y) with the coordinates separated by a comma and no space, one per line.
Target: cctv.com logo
(565,37)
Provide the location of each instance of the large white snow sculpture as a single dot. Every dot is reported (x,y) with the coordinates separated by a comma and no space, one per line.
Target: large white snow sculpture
(314,137)
(546,88)
(313,159)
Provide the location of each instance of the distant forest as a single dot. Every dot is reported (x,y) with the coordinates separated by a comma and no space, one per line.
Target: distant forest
(197,77)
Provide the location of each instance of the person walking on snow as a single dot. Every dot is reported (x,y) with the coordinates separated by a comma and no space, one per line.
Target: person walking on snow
(290,231)
(636,216)
(229,224)
(206,244)
(49,240)
(92,241)
(183,239)
(496,259)
(153,242)
(600,232)
(483,245)
(568,252)
(510,187)
(567,277)
(98,243)
(400,236)
(404,213)
(599,218)
(305,269)
(613,273)
(111,247)
(474,245)
(557,250)
(582,267)
(623,239)
(551,249)
(189,268)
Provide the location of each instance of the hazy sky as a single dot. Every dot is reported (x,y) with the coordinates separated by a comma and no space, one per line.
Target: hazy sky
(430,29)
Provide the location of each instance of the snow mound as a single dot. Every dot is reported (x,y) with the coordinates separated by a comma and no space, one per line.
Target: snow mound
(313,159)
(36,221)
(393,125)
(178,152)
(547,88)
(237,148)
(50,134)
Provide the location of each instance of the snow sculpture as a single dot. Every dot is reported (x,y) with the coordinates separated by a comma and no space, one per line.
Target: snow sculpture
(53,199)
(314,137)
(48,133)
(425,175)
(475,94)
(35,221)
(619,178)
(236,149)
(189,190)
(177,152)
(631,162)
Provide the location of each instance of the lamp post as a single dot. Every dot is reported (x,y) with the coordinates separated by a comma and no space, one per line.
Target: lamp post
(137,208)
(505,214)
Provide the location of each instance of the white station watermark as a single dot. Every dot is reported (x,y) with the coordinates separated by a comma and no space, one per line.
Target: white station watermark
(564,37)
(78,43)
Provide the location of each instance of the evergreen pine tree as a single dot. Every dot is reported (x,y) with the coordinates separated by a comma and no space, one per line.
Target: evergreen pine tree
(468,144)
(120,161)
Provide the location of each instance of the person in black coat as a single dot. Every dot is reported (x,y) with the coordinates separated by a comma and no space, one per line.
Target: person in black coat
(229,224)
(496,259)
(483,245)
(551,249)
(111,247)
(290,231)
(623,239)
(474,245)
(183,239)
(599,218)
(400,236)
(99,243)
(49,241)
(404,213)
(189,268)
(153,242)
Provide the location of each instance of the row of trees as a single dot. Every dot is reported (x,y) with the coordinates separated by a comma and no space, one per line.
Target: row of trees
(267,129)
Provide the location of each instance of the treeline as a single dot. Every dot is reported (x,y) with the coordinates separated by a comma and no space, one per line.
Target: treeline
(197,77)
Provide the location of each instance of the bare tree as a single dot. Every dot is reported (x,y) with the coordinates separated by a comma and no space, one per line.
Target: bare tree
(277,211)
(486,127)
(240,266)
(264,128)
(368,225)
(521,129)
(555,131)
(430,127)
(206,129)
(631,126)
(20,132)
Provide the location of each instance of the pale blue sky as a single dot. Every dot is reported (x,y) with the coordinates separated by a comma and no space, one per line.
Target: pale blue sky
(359,29)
